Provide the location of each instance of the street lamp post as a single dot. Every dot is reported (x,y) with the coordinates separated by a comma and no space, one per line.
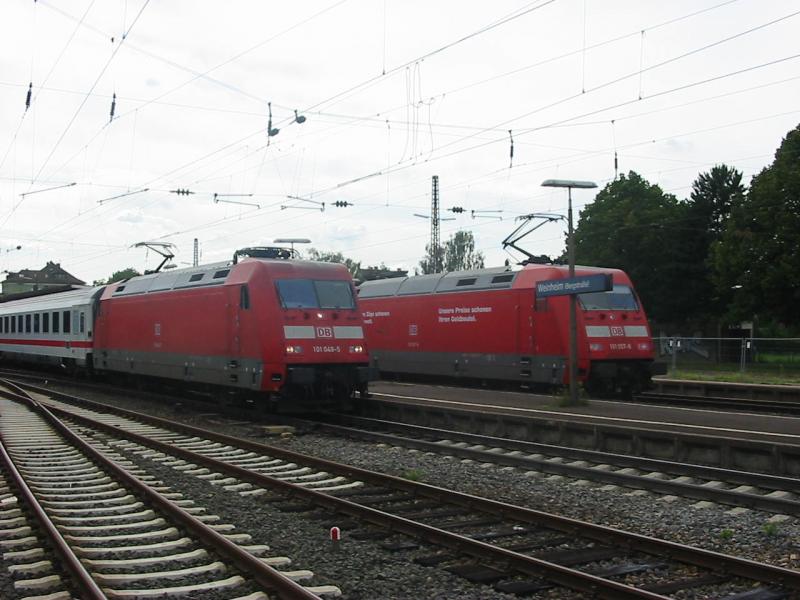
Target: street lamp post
(573,327)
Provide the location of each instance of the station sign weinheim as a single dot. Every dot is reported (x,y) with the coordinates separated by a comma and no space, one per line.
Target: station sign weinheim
(574,285)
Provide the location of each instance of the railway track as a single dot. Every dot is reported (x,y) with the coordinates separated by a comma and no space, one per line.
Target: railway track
(116,531)
(515,549)
(675,479)
(757,405)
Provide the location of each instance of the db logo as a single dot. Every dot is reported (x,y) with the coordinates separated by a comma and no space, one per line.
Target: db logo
(617,331)
(324,332)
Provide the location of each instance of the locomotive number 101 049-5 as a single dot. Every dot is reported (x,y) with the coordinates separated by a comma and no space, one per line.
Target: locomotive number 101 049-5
(327,348)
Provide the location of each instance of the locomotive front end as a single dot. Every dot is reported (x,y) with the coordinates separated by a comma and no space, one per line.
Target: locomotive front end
(324,348)
(619,348)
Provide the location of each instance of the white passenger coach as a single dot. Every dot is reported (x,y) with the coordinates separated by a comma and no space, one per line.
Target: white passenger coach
(52,328)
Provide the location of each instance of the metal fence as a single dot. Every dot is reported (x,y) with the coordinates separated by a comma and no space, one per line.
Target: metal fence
(776,356)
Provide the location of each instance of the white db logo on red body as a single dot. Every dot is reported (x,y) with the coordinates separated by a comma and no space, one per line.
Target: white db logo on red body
(617,331)
(324,332)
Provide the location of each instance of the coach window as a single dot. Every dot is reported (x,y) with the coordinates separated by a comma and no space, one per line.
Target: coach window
(55,321)
(27,323)
(13,325)
(66,321)
(20,328)
(83,321)
(2,330)
(36,323)
(244,297)
(45,322)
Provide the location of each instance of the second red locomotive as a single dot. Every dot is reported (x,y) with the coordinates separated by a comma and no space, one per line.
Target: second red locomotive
(489,325)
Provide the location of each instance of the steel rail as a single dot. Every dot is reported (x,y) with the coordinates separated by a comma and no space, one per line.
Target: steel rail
(708,559)
(688,490)
(81,578)
(268,577)
(598,456)
(565,576)
(786,407)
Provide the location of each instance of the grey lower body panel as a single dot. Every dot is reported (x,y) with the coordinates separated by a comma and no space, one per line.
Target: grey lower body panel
(245,373)
(500,367)
(351,375)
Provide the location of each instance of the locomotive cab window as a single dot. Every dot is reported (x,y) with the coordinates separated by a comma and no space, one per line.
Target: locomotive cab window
(334,294)
(305,293)
(244,297)
(619,298)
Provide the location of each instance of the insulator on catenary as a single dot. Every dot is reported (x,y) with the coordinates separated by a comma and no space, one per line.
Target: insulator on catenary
(113,106)
(28,97)
(511,150)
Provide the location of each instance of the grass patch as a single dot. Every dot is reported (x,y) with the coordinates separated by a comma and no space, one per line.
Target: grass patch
(736,377)
(412,475)
(726,534)
(770,528)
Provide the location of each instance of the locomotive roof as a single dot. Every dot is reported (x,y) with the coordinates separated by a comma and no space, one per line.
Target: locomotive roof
(477,279)
(464,281)
(205,275)
(55,301)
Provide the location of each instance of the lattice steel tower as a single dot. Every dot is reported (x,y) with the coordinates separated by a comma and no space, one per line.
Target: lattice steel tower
(436,249)
(196,257)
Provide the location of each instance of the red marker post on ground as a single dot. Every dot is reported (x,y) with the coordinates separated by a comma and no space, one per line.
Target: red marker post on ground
(336,535)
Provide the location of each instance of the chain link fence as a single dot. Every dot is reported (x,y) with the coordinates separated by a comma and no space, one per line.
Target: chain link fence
(779,357)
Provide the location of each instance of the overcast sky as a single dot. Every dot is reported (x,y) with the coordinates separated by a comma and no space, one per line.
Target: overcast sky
(393,93)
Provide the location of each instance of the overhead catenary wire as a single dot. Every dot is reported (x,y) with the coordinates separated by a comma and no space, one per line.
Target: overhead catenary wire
(214,162)
(80,107)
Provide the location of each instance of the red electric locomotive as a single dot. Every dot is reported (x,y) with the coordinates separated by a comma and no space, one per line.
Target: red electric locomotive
(262,329)
(488,324)
(285,329)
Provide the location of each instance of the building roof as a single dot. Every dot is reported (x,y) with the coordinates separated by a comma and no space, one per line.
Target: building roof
(51,274)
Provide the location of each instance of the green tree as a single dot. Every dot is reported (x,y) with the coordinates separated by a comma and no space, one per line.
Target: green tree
(634,226)
(458,254)
(335,257)
(118,276)
(757,258)
(713,195)
(427,265)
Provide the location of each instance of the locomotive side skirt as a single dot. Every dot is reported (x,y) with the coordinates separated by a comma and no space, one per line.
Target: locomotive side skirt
(216,370)
(506,367)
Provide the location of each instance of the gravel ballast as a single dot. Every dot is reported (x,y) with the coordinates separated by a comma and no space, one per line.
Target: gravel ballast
(363,570)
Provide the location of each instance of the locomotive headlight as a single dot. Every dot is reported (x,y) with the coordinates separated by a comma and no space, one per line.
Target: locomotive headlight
(294,349)
(643,346)
(320,315)
(356,349)
(596,347)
